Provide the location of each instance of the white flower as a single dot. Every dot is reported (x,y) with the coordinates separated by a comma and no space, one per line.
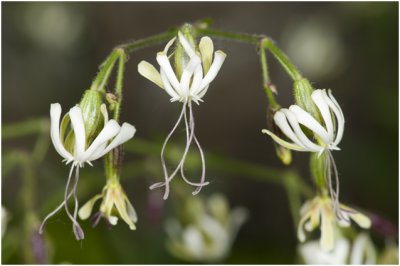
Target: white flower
(197,74)
(81,151)
(328,136)
(362,251)
(199,70)
(313,254)
(211,232)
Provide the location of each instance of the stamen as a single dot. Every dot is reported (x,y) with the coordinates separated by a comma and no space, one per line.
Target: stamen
(164,166)
(190,130)
(79,235)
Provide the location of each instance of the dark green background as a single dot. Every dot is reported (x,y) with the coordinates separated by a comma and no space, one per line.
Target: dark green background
(51,52)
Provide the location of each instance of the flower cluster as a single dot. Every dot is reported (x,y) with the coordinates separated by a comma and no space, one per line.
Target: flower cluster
(199,69)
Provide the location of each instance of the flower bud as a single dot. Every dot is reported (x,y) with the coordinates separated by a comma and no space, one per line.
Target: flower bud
(181,58)
(91,111)
(284,154)
(302,95)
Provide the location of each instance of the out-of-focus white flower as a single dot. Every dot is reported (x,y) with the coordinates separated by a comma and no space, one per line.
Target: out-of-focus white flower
(209,231)
(5,217)
(199,66)
(79,150)
(319,212)
(327,136)
(362,251)
(313,254)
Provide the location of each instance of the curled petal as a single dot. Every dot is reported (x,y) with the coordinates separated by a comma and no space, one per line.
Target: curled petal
(219,58)
(319,100)
(78,125)
(110,130)
(165,65)
(55,113)
(282,123)
(206,48)
(282,142)
(148,71)
(126,132)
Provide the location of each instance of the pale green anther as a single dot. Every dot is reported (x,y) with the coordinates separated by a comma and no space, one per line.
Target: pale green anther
(302,95)
(91,110)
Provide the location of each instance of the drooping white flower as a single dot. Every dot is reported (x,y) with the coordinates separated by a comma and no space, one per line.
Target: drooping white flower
(81,152)
(196,76)
(200,68)
(320,212)
(327,135)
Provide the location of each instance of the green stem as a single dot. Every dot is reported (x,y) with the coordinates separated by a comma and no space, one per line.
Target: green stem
(281,57)
(104,74)
(119,83)
(266,80)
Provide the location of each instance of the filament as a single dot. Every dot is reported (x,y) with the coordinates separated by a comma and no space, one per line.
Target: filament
(75,225)
(334,193)
(189,129)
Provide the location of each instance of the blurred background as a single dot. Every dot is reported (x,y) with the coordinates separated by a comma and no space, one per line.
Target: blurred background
(51,53)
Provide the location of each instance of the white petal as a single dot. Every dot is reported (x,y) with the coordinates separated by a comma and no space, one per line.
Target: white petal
(281,121)
(308,121)
(131,211)
(148,71)
(333,104)
(75,113)
(206,48)
(165,65)
(126,132)
(299,132)
(202,92)
(187,74)
(55,113)
(319,100)
(284,143)
(110,130)
(219,58)
(167,85)
(186,45)
(169,45)
(193,241)
(197,77)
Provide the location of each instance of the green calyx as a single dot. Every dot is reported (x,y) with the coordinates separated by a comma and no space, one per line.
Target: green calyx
(181,59)
(302,95)
(91,111)
(317,168)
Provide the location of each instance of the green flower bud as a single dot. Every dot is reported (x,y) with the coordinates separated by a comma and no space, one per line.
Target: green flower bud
(90,105)
(180,57)
(302,95)
(284,154)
